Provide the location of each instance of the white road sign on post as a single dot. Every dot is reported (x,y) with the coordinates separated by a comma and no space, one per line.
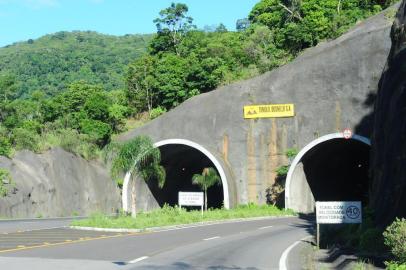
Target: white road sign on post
(338,212)
(191,199)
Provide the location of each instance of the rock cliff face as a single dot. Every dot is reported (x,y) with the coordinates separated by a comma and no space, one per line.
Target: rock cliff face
(57,183)
(388,190)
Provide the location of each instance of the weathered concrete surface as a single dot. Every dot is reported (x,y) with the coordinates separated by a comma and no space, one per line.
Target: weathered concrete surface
(331,86)
(388,190)
(57,183)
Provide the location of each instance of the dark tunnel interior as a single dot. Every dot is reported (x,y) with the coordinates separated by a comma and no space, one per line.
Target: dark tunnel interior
(181,162)
(337,170)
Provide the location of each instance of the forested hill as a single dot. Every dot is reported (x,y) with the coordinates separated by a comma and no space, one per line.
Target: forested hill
(57,90)
(52,62)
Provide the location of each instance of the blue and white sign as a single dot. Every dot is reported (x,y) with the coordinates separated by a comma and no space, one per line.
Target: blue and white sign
(338,212)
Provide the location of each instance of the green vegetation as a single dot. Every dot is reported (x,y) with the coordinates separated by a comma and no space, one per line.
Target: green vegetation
(139,157)
(51,63)
(362,265)
(282,171)
(275,191)
(6,183)
(369,240)
(364,237)
(395,239)
(300,24)
(174,215)
(207,179)
(81,120)
(291,153)
(395,266)
(78,89)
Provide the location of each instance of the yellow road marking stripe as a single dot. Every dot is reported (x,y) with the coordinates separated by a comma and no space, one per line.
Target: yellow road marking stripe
(19,248)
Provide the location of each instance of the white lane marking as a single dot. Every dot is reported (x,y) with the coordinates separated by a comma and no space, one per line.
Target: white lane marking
(138,259)
(266,227)
(284,257)
(211,238)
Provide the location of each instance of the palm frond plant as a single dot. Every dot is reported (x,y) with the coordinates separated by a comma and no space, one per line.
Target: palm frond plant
(208,178)
(140,158)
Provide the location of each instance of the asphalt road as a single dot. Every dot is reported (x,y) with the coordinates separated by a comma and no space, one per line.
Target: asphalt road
(10,226)
(250,245)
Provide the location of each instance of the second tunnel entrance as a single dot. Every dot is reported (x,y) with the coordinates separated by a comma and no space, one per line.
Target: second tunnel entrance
(335,169)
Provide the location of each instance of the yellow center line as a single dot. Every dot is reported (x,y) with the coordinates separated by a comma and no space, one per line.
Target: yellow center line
(19,248)
(49,236)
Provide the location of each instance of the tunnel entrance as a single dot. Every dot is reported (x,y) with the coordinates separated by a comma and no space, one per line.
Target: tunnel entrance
(181,162)
(181,159)
(330,169)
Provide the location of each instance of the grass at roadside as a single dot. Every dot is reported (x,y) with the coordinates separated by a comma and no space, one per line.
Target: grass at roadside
(174,216)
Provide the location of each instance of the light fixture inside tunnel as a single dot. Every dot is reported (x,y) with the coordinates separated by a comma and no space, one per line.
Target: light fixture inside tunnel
(181,162)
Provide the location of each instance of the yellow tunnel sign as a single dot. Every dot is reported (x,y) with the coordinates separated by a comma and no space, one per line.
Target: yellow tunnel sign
(270,110)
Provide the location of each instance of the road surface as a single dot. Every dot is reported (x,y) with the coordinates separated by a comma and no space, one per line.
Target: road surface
(258,244)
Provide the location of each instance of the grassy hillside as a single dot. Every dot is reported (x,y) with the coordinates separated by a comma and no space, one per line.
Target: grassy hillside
(52,62)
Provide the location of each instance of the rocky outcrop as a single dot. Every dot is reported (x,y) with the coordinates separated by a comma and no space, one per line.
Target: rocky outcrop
(388,189)
(57,183)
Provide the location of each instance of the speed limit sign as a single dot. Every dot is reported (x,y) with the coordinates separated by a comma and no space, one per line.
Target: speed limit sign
(347,133)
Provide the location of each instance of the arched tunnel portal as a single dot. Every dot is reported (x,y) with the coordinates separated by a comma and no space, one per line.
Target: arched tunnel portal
(330,168)
(181,160)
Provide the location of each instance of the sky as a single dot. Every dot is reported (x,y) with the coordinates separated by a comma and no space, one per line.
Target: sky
(21,20)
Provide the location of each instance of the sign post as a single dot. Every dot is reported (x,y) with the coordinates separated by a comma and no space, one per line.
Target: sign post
(191,199)
(337,213)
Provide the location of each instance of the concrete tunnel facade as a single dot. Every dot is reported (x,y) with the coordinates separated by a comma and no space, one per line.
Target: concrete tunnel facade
(333,87)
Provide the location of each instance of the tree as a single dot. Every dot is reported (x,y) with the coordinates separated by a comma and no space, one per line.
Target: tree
(8,87)
(299,24)
(5,146)
(208,178)
(75,98)
(170,73)
(98,131)
(221,28)
(174,23)
(139,157)
(242,24)
(140,83)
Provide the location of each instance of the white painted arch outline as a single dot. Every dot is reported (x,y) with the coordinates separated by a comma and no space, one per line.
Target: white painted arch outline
(196,146)
(312,144)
